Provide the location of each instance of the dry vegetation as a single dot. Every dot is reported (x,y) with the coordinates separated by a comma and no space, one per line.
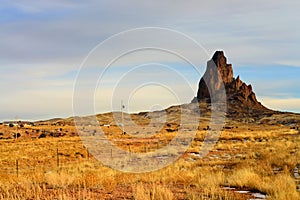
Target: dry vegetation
(254,157)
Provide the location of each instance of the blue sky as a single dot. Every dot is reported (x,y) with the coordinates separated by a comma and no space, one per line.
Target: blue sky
(43,44)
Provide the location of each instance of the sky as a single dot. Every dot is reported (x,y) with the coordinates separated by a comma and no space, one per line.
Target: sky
(44,44)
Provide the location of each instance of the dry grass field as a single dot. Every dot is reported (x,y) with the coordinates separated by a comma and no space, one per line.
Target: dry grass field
(49,161)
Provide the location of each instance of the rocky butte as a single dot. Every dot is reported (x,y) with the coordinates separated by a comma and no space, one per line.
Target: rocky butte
(240,97)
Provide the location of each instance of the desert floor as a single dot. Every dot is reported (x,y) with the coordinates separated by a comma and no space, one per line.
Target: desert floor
(249,160)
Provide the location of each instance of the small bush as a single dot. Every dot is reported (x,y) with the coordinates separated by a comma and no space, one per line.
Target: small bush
(43,135)
(170,130)
(17,135)
(52,134)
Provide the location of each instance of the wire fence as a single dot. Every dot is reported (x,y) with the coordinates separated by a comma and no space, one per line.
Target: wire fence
(60,158)
(18,162)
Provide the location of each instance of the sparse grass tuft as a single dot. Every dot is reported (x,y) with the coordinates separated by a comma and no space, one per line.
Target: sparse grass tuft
(152,192)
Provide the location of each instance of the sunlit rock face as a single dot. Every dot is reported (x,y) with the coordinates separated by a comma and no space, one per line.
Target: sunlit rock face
(238,93)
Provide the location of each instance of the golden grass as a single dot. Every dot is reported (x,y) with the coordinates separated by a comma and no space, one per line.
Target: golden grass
(281,186)
(152,192)
(259,159)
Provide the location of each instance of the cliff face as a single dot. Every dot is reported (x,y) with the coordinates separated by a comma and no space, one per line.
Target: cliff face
(238,93)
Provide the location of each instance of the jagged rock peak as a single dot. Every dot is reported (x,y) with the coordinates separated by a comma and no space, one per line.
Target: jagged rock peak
(237,92)
(225,69)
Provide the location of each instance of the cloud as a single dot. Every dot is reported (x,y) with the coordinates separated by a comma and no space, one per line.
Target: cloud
(31,6)
(37,104)
(44,42)
(290,104)
(292,62)
(249,34)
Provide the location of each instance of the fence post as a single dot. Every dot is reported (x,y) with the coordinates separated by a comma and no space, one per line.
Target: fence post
(17,167)
(57,158)
(129,150)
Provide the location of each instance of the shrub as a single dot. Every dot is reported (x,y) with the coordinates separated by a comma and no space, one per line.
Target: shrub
(170,130)
(43,135)
(17,135)
(56,134)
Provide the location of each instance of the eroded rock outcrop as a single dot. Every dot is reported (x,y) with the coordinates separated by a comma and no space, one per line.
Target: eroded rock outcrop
(237,92)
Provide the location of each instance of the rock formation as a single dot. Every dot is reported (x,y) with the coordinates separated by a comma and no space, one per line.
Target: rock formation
(238,93)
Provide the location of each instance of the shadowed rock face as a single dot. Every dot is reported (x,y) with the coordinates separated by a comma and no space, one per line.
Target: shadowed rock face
(238,93)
